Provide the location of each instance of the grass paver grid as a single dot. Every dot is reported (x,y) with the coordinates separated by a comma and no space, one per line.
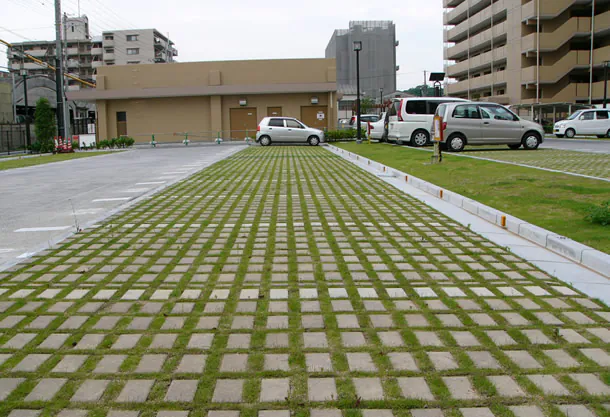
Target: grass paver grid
(285,279)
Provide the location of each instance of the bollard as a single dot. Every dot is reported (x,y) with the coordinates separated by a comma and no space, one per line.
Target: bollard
(153,142)
(218,139)
(186,139)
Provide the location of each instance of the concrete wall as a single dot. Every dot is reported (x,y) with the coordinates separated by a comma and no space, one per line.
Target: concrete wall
(6,100)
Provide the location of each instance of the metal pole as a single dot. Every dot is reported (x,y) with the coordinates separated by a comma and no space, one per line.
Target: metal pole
(358,128)
(27,111)
(591,61)
(59,72)
(14,99)
(606,64)
(65,61)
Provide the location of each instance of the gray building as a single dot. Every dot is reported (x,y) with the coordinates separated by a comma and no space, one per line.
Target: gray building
(137,46)
(377,58)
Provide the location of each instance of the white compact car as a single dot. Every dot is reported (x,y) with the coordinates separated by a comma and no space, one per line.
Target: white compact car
(286,129)
(378,127)
(585,122)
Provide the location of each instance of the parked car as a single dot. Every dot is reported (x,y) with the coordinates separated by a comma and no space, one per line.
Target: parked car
(364,118)
(378,127)
(473,123)
(410,119)
(584,122)
(286,129)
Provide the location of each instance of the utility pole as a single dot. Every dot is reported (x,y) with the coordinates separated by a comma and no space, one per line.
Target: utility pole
(24,74)
(423,94)
(65,62)
(606,65)
(59,72)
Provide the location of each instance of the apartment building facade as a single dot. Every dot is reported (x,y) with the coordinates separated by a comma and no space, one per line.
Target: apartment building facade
(377,58)
(84,54)
(140,46)
(527,51)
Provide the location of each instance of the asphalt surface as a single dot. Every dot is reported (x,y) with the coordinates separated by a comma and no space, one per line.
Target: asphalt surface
(41,205)
(582,145)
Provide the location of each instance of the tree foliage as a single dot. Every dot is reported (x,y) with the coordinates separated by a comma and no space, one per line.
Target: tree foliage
(44,125)
(423,91)
(366,105)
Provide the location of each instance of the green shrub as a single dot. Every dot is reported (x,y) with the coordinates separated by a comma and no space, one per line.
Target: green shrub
(103,144)
(336,135)
(599,214)
(129,141)
(44,125)
(113,143)
(548,128)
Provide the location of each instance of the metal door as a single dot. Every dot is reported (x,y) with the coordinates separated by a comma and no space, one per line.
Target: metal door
(315,116)
(121,123)
(243,122)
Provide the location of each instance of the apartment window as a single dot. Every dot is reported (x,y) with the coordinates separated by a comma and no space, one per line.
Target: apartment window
(108,37)
(109,50)
(133,51)
(132,38)
(133,62)
(500,92)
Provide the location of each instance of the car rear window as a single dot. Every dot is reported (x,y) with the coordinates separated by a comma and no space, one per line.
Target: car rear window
(276,122)
(602,115)
(416,107)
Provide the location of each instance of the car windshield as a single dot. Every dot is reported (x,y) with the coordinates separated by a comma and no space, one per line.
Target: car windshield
(575,115)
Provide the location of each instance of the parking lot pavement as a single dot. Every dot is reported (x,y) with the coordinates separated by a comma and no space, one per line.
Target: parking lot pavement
(580,145)
(286,281)
(590,164)
(42,204)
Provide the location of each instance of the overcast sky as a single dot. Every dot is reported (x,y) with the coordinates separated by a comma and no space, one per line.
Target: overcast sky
(206,30)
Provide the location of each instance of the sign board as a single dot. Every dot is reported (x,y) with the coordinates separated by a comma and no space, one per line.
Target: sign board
(86,140)
(438,131)
(321,115)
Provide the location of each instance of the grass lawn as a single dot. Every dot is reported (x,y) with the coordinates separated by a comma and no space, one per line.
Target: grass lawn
(556,202)
(28,162)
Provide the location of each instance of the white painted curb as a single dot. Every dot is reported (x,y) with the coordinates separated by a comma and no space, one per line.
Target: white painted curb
(577,252)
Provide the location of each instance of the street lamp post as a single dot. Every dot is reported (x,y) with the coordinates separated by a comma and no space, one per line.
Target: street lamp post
(380,100)
(358,48)
(606,65)
(24,74)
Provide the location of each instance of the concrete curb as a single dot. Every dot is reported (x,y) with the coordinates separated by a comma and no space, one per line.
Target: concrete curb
(576,252)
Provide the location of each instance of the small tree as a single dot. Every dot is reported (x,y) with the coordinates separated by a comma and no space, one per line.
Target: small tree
(44,125)
(366,104)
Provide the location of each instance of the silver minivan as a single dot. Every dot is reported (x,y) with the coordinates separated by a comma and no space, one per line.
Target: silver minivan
(485,124)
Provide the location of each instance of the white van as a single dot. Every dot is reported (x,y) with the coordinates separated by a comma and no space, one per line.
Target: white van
(410,119)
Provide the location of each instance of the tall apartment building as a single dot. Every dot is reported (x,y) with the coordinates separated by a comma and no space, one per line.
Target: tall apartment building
(140,46)
(83,54)
(377,58)
(527,51)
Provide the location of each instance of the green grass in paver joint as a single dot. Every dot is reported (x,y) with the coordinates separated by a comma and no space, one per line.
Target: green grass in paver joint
(348,202)
(47,159)
(553,201)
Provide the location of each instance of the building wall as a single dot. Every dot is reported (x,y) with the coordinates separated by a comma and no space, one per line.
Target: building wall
(198,97)
(561,71)
(6,100)
(146,41)
(377,58)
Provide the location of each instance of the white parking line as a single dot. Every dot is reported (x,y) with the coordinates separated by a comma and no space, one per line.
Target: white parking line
(6,250)
(101,200)
(26,255)
(151,183)
(42,229)
(136,190)
(82,212)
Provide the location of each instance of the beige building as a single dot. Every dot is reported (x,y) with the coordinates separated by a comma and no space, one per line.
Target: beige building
(206,99)
(527,51)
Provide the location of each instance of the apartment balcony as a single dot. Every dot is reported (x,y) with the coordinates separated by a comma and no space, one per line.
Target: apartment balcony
(451,3)
(108,56)
(38,53)
(571,93)
(72,51)
(477,42)
(548,9)
(503,99)
(477,22)
(478,62)
(27,65)
(550,74)
(75,87)
(97,64)
(477,83)
(97,51)
(551,41)
(73,63)
(108,43)
(460,13)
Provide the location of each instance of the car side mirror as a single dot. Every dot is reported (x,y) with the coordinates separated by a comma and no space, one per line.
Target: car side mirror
(581,118)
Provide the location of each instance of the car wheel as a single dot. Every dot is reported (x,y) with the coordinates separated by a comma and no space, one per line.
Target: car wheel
(570,133)
(314,140)
(601,136)
(420,138)
(456,143)
(559,136)
(515,146)
(265,141)
(608,133)
(531,141)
